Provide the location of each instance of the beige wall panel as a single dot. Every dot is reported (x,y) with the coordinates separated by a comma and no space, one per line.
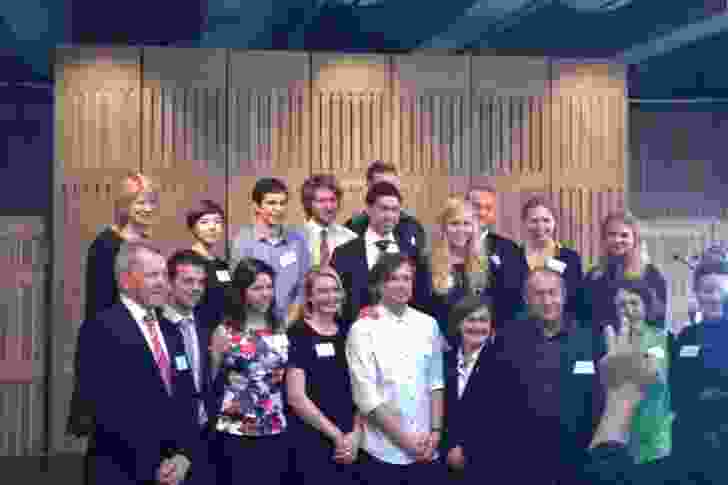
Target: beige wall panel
(97,127)
(351,120)
(184,130)
(269,128)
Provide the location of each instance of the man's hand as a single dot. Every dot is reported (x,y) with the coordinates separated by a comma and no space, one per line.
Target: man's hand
(431,443)
(456,458)
(626,371)
(173,471)
(345,449)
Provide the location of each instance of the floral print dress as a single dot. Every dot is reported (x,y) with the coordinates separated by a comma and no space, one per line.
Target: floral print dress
(253,369)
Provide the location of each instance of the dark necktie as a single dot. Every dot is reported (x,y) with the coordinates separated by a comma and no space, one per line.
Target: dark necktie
(324,249)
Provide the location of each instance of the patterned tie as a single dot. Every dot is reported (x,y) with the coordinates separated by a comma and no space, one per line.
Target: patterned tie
(159,356)
(187,326)
(324,249)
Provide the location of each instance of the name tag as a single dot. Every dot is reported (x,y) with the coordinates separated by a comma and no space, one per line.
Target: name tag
(276,342)
(556,265)
(584,367)
(288,258)
(689,351)
(657,352)
(223,275)
(181,362)
(413,241)
(495,259)
(325,350)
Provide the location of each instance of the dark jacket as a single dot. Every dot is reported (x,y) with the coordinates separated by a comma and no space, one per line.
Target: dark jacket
(408,229)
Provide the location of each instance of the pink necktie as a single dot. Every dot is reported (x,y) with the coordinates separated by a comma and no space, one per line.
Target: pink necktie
(159,356)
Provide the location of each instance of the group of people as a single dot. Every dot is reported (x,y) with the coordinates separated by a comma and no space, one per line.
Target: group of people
(364,353)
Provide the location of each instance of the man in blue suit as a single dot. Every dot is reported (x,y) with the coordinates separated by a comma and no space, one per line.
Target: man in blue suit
(187,281)
(354,259)
(135,376)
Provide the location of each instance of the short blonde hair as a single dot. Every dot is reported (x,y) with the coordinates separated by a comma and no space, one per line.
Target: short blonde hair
(130,187)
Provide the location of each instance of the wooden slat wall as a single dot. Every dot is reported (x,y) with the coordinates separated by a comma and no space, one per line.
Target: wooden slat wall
(352,118)
(210,122)
(184,128)
(23,353)
(431,132)
(269,130)
(97,141)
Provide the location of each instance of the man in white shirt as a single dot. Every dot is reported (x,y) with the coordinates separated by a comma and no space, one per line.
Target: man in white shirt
(395,357)
(320,196)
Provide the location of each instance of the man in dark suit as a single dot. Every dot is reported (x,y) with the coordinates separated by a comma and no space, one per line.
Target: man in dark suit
(354,259)
(507,262)
(407,229)
(541,377)
(187,282)
(135,376)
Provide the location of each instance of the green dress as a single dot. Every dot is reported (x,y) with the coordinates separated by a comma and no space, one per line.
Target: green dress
(651,433)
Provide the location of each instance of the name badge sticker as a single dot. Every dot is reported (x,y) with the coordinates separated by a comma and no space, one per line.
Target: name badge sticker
(288,258)
(556,265)
(495,259)
(413,241)
(584,367)
(690,351)
(223,276)
(657,352)
(325,350)
(181,362)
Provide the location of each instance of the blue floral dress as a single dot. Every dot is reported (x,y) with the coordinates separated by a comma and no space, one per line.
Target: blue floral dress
(253,369)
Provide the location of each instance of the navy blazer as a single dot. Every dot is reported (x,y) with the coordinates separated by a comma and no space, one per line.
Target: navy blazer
(350,261)
(137,423)
(508,277)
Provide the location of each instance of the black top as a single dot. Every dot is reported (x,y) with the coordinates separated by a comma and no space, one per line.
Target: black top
(443,301)
(407,229)
(545,405)
(327,376)
(595,304)
(506,278)
(212,305)
(101,288)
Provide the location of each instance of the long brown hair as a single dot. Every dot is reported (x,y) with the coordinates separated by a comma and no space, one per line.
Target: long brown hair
(455,206)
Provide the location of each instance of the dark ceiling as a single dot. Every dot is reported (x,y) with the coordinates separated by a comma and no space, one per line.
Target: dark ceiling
(533,27)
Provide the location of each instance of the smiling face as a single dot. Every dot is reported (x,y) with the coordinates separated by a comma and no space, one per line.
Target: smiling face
(272,208)
(460,229)
(619,239)
(485,206)
(539,224)
(144,209)
(397,289)
(188,286)
(324,206)
(259,295)
(631,310)
(326,296)
(209,229)
(146,281)
(476,328)
(545,296)
(384,214)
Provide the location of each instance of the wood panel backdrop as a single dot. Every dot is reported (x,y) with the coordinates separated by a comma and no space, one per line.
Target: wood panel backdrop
(209,122)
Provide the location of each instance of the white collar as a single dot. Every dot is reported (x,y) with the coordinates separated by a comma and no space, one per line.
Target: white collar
(138,312)
(484,234)
(371,237)
(388,314)
(476,354)
(316,228)
(174,316)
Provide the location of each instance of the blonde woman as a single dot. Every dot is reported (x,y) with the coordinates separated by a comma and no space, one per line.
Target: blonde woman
(325,427)
(458,268)
(621,259)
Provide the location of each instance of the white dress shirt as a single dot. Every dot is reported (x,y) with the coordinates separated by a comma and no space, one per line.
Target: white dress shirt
(138,313)
(336,236)
(373,252)
(397,361)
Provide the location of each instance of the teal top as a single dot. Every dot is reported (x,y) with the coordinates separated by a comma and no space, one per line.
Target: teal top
(651,434)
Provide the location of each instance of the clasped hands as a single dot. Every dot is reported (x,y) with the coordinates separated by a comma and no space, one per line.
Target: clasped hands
(173,471)
(346,448)
(423,446)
